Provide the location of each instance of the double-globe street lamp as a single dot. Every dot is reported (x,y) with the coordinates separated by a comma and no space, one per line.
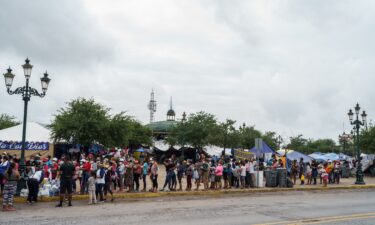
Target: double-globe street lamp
(26,92)
(344,138)
(357,124)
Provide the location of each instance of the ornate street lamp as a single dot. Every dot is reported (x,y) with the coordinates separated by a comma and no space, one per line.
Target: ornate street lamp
(26,92)
(183,121)
(344,139)
(357,124)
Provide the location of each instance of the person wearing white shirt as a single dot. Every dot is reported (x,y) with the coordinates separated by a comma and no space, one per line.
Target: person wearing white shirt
(35,177)
(252,173)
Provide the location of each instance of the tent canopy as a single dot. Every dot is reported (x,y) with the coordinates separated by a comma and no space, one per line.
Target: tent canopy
(266,149)
(34,133)
(294,155)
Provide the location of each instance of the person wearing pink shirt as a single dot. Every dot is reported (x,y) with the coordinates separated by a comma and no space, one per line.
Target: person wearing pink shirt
(219,174)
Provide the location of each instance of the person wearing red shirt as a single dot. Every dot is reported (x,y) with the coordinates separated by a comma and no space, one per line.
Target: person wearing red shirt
(86,169)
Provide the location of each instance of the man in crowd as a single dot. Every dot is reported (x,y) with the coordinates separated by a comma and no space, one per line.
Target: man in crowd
(66,180)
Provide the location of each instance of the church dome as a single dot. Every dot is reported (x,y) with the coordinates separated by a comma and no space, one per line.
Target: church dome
(171,113)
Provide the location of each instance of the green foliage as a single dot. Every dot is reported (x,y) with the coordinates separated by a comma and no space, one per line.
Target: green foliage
(226,135)
(198,131)
(82,121)
(270,138)
(308,146)
(140,134)
(85,122)
(7,121)
(247,137)
(367,140)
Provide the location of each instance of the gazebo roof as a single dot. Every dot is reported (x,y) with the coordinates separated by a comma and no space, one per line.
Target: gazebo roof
(162,126)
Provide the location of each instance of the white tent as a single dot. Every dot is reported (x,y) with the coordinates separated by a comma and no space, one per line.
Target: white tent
(34,133)
(38,140)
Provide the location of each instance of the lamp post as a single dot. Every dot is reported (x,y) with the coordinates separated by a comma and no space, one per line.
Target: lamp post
(343,139)
(279,141)
(183,121)
(26,92)
(357,124)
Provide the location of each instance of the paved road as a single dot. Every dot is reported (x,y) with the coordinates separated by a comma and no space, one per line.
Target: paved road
(320,207)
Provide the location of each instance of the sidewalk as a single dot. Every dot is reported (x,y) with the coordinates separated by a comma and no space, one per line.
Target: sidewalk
(347,183)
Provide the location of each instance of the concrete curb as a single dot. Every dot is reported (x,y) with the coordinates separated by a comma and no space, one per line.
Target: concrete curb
(206,193)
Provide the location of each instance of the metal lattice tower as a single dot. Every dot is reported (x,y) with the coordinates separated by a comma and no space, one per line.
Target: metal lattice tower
(152,106)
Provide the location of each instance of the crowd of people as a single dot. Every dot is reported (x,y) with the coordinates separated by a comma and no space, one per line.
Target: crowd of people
(100,176)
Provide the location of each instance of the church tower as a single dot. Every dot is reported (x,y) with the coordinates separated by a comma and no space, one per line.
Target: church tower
(171,114)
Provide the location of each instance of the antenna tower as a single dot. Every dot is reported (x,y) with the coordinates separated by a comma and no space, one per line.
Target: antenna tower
(152,106)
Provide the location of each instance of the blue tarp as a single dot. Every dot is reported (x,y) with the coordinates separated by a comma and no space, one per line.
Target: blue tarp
(295,155)
(328,156)
(266,149)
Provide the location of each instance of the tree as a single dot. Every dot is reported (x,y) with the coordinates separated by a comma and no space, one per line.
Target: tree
(308,146)
(226,135)
(248,136)
(119,130)
(367,140)
(83,121)
(198,131)
(271,139)
(140,135)
(7,121)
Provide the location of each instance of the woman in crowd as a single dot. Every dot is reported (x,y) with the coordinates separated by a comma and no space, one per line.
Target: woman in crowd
(108,181)
(137,171)
(11,178)
(308,173)
(154,176)
(294,171)
(189,175)
(145,172)
(129,176)
(219,175)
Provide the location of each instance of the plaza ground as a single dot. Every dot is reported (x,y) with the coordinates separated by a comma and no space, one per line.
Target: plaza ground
(354,206)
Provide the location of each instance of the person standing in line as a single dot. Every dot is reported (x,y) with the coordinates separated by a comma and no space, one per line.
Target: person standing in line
(100,181)
(205,173)
(243,174)
(129,175)
(91,183)
(168,175)
(121,174)
(4,165)
(189,175)
(294,171)
(66,173)
(108,182)
(219,175)
(314,171)
(154,176)
(145,169)
(35,177)
(137,171)
(181,167)
(11,177)
(86,169)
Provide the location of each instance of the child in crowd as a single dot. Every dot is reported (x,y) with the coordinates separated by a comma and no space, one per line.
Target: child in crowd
(91,188)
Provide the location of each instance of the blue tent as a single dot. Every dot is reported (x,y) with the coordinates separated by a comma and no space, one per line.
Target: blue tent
(266,149)
(295,155)
(319,157)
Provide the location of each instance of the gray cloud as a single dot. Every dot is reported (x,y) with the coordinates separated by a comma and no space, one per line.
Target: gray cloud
(288,66)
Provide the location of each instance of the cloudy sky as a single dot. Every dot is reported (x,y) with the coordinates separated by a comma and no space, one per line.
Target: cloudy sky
(294,67)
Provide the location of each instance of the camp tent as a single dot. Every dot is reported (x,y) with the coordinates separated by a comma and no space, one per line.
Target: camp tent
(266,152)
(294,155)
(265,149)
(38,140)
(319,157)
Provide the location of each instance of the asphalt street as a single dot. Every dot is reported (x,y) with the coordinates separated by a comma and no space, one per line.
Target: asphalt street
(302,207)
